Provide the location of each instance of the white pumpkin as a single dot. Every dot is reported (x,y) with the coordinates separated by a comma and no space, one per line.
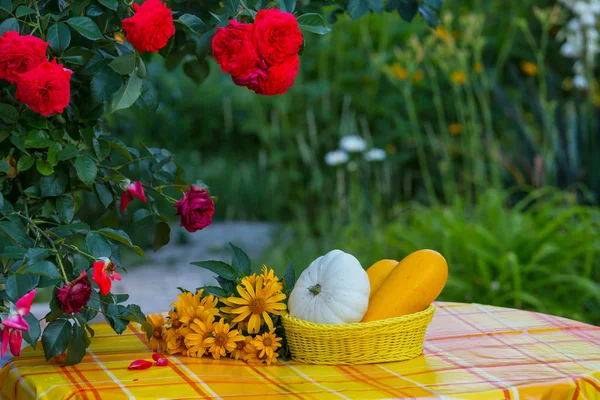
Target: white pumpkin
(334,289)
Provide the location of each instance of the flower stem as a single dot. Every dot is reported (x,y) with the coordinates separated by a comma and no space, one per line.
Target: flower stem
(50,241)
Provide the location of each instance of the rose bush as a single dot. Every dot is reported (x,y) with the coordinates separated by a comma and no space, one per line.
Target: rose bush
(63,66)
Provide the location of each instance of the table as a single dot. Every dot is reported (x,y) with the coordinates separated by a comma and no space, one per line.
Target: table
(471,351)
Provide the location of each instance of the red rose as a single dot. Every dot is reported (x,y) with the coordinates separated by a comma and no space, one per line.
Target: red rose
(279,78)
(20,54)
(75,295)
(277,35)
(151,27)
(234,50)
(196,209)
(46,89)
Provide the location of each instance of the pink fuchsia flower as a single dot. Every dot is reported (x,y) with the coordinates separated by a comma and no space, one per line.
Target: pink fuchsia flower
(73,296)
(14,324)
(132,189)
(104,274)
(196,209)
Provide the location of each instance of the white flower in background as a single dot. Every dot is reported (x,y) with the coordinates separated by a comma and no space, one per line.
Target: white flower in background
(580,82)
(581,38)
(495,286)
(353,144)
(375,154)
(336,157)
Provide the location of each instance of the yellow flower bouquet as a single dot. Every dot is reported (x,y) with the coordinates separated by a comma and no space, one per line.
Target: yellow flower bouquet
(239,319)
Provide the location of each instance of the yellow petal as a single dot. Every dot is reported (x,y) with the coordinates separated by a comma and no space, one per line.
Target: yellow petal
(238,301)
(268,319)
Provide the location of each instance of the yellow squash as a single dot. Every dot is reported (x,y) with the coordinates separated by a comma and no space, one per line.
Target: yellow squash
(378,272)
(414,283)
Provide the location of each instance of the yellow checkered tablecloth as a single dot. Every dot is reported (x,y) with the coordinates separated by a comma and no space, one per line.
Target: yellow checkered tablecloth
(471,352)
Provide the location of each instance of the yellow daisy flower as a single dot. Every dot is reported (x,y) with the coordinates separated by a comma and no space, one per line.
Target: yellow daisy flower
(256,303)
(455,129)
(173,341)
(269,277)
(418,76)
(223,340)
(477,67)
(239,352)
(199,330)
(206,307)
(267,343)
(251,355)
(269,359)
(187,299)
(399,72)
(156,321)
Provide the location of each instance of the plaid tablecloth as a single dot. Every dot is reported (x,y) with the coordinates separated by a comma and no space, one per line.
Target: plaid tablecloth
(471,352)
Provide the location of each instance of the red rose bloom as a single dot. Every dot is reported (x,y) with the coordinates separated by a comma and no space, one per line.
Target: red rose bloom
(196,209)
(46,89)
(151,27)
(234,50)
(19,54)
(279,77)
(277,35)
(75,295)
(105,272)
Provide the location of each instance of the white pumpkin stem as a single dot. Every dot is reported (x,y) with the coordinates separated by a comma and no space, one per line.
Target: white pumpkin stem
(316,289)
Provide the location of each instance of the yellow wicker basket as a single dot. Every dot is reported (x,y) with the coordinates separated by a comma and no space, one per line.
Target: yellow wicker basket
(392,339)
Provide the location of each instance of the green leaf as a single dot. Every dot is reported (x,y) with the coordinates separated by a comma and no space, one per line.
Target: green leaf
(18,141)
(290,277)
(408,9)
(14,252)
(141,217)
(162,235)
(314,23)
(80,263)
(124,64)
(23,11)
(429,15)
(10,24)
(53,152)
(141,69)
(4,166)
(286,5)
(358,8)
(36,254)
(33,335)
(25,162)
(77,55)
(435,4)
(65,208)
(44,167)
(53,185)
(15,232)
(193,23)
(204,44)
(104,195)
(86,169)
(97,245)
(8,113)
(101,148)
(128,94)
(56,337)
(196,70)
(215,291)
(38,139)
(104,84)
(118,145)
(59,37)
(68,153)
(220,268)
(122,237)
(148,100)
(6,5)
(110,4)
(86,27)
(19,285)
(43,268)
(76,346)
(240,261)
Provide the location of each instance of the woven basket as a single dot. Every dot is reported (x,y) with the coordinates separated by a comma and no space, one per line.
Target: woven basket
(392,339)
